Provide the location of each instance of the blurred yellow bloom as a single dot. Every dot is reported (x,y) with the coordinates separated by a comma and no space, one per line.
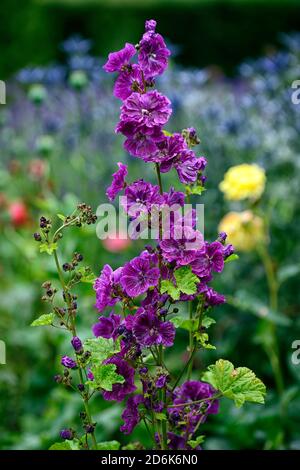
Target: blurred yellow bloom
(245,230)
(243,181)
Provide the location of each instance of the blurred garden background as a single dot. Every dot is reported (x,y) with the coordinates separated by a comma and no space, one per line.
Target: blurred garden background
(230,76)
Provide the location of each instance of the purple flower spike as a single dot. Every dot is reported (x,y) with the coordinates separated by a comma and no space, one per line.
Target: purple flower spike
(68,362)
(119,60)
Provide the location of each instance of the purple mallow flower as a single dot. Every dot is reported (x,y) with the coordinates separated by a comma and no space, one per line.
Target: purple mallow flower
(141,196)
(128,81)
(153,52)
(150,109)
(139,274)
(149,330)
(184,245)
(107,327)
(106,287)
(210,258)
(213,298)
(118,182)
(140,140)
(77,344)
(119,391)
(68,362)
(130,415)
(118,61)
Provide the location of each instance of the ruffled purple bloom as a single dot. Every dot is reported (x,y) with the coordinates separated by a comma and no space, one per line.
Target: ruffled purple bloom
(183,247)
(68,362)
(118,61)
(174,197)
(149,330)
(118,182)
(119,391)
(173,152)
(209,259)
(139,274)
(150,109)
(106,287)
(228,250)
(129,81)
(189,166)
(141,140)
(141,196)
(130,415)
(107,327)
(213,298)
(153,52)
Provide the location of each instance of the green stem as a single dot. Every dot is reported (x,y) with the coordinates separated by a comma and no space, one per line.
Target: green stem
(191,342)
(73,331)
(273,349)
(196,402)
(163,442)
(184,369)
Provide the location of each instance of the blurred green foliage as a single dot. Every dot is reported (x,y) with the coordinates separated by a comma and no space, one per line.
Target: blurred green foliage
(220,32)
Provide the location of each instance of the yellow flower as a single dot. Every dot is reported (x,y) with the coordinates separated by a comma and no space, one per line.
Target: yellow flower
(243,181)
(245,230)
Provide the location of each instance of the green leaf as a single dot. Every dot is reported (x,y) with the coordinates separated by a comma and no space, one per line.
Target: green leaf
(169,288)
(104,377)
(61,217)
(86,275)
(167,133)
(65,445)
(196,442)
(48,248)
(43,320)
(207,321)
(160,416)
(186,282)
(108,445)
(232,257)
(101,348)
(203,340)
(185,323)
(239,384)
(197,189)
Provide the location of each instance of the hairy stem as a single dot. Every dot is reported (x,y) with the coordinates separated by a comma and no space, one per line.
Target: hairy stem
(72,328)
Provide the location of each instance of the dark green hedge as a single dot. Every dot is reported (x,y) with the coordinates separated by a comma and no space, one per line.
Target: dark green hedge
(218,32)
